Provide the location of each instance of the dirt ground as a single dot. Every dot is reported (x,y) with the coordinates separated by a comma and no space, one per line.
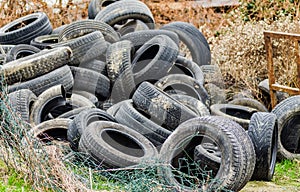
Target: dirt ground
(261,186)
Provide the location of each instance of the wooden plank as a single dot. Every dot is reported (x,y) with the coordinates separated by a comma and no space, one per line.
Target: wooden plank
(282,35)
(289,90)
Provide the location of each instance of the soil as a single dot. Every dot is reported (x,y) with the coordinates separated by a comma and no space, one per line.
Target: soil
(262,186)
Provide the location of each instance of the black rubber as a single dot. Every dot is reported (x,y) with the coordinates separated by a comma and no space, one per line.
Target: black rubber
(33,66)
(36,24)
(53,102)
(263,131)
(248,102)
(184,83)
(19,51)
(139,38)
(61,75)
(161,108)
(43,41)
(83,27)
(288,115)
(154,59)
(133,26)
(237,113)
(85,48)
(193,39)
(74,112)
(96,5)
(129,116)
(21,102)
(186,66)
(179,149)
(81,121)
(121,11)
(96,65)
(116,146)
(194,104)
(119,70)
(91,81)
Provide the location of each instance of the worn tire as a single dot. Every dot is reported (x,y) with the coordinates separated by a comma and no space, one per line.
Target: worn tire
(121,11)
(121,148)
(185,83)
(96,5)
(61,75)
(91,81)
(248,102)
(96,65)
(194,104)
(35,65)
(154,59)
(263,131)
(288,115)
(185,66)
(162,108)
(19,51)
(36,24)
(84,27)
(183,141)
(129,116)
(139,38)
(81,121)
(85,48)
(212,74)
(216,94)
(21,102)
(193,39)
(237,113)
(133,26)
(43,41)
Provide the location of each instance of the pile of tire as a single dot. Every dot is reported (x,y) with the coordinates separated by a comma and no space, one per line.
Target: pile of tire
(121,90)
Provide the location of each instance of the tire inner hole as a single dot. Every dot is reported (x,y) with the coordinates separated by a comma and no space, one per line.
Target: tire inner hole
(146,57)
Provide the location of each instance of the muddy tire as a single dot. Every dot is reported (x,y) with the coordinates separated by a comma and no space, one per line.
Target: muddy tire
(248,102)
(19,51)
(162,108)
(43,41)
(62,75)
(116,146)
(35,65)
(21,102)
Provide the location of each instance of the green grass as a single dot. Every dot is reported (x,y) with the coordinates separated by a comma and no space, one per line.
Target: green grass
(12,181)
(287,172)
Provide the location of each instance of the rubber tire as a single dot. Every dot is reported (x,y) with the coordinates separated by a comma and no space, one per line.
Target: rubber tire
(212,74)
(194,104)
(36,24)
(162,108)
(74,112)
(87,95)
(91,81)
(85,48)
(20,51)
(56,128)
(185,81)
(96,5)
(287,113)
(193,39)
(61,75)
(263,131)
(185,66)
(139,38)
(124,10)
(111,156)
(83,27)
(21,102)
(232,165)
(129,116)
(248,102)
(81,121)
(133,26)
(216,94)
(43,41)
(119,70)
(51,99)
(237,113)
(96,65)
(205,159)
(35,65)
(149,64)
